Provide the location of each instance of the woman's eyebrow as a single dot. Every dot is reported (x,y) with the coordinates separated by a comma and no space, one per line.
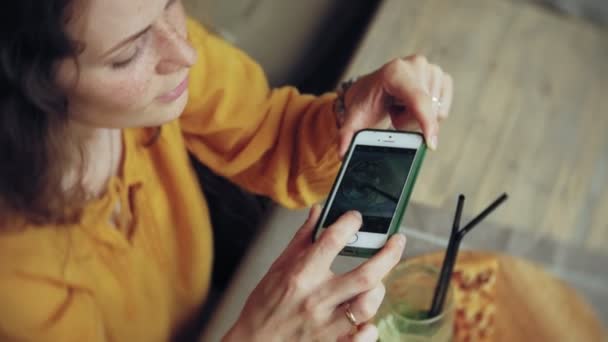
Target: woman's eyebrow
(126,41)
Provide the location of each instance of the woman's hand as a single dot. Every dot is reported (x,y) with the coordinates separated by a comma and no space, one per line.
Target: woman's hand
(300,299)
(406,93)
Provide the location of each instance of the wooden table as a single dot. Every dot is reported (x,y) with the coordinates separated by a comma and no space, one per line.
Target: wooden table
(532,305)
(529,114)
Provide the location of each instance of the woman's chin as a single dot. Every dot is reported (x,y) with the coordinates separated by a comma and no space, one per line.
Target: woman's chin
(170,111)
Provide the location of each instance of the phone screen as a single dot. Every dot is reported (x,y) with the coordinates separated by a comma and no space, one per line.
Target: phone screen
(372,184)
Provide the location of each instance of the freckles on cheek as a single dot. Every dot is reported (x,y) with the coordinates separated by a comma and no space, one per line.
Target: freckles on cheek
(131,93)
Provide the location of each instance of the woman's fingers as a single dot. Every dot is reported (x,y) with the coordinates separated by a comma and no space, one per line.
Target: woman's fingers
(435,87)
(365,305)
(366,333)
(333,239)
(435,80)
(421,64)
(366,276)
(401,81)
(362,309)
(446,96)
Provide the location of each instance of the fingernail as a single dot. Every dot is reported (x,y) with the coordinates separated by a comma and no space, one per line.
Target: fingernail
(434,142)
(358,214)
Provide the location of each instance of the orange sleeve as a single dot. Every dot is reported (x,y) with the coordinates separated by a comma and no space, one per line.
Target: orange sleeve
(275,142)
(36,308)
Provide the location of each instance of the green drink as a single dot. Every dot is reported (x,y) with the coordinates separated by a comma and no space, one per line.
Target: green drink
(403,313)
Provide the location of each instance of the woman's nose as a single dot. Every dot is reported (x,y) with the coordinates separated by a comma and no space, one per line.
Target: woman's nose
(175,51)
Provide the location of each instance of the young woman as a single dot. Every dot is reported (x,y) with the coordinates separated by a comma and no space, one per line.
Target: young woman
(104,232)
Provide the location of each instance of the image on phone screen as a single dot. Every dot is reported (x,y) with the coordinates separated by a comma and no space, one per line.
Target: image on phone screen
(372,184)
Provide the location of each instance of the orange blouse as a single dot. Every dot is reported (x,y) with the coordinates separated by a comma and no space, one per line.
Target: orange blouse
(139,278)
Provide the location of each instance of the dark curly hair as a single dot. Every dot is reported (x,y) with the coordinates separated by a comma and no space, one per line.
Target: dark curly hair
(35,145)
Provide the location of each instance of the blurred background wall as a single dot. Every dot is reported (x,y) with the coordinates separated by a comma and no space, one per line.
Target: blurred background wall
(304,43)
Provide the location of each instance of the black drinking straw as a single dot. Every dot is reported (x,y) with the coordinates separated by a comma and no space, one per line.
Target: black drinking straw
(483,214)
(448,263)
(452,251)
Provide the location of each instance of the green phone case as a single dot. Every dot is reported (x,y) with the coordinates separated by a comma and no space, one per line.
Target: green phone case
(404,199)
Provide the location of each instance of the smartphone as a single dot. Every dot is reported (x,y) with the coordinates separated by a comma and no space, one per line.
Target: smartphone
(376,178)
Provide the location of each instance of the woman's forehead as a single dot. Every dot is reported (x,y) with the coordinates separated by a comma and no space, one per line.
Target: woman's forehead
(102,24)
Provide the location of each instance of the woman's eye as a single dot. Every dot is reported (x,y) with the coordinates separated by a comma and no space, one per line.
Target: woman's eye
(139,47)
(124,63)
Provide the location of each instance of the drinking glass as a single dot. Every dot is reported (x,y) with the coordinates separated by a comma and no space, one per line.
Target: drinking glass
(403,315)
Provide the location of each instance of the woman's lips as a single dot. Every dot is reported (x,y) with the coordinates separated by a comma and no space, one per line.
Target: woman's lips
(175,93)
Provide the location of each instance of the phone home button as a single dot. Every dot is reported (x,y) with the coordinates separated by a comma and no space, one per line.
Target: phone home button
(353,239)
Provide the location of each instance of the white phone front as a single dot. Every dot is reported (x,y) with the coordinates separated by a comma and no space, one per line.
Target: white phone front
(376,179)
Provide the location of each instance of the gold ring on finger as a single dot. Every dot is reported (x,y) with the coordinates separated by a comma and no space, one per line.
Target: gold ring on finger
(350,316)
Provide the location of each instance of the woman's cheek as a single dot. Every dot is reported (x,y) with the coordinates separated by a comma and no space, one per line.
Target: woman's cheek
(132,91)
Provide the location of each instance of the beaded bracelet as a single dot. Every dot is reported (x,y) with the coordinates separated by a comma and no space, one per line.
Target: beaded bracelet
(340,102)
